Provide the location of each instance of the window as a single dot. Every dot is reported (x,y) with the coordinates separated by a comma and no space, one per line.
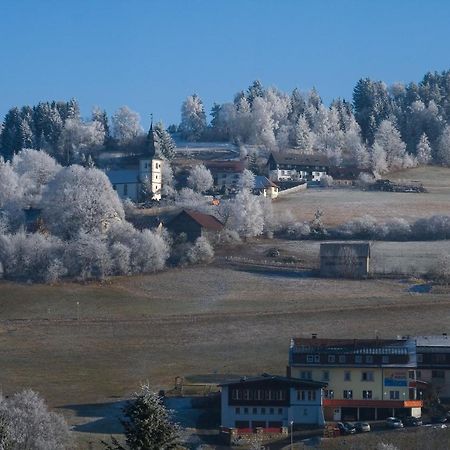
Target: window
(418,374)
(394,395)
(369,359)
(347,376)
(246,394)
(237,410)
(306,375)
(255,410)
(316,358)
(235,394)
(438,358)
(259,395)
(411,375)
(311,395)
(342,358)
(280,411)
(328,393)
(367,395)
(358,359)
(437,374)
(309,358)
(366,376)
(385,359)
(305,412)
(301,395)
(271,411)
(326,375)
(331,358)
(263,410)
(419,357)
(348,394)
(267,395)
(245,410)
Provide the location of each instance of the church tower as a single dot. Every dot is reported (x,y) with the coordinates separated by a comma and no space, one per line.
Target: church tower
(150,166)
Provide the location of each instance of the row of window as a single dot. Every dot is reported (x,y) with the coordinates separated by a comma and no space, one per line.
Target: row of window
(262,411)
(258,394)
(306,395)
(343,359)
(365,376)
(366,395)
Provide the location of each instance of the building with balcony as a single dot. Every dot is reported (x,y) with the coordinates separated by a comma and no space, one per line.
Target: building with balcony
(271,402)
(368,379)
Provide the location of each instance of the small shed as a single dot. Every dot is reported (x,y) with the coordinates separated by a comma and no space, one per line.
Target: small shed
(194,224)
(263,186)
(344,260)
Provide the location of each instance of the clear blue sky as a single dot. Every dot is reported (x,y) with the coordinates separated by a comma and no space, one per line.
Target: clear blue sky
(150,55)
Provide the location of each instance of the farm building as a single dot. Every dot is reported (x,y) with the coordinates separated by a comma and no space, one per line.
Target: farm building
(271,402)
(347,176)
(263,186)
(226,174)
(194,224)
(288,167)
(344,259)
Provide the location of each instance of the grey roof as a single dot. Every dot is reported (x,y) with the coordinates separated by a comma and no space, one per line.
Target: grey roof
(300,159)
(262,182)
(432,341)
(285,380)
(123,176)
(334,249)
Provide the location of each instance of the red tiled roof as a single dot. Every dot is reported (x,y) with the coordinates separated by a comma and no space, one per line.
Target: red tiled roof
(205,220)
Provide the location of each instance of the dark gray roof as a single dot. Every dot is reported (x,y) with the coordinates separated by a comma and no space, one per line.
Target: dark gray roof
(123,176)
(294,382)
(262,182)
(300,159)
(334,249)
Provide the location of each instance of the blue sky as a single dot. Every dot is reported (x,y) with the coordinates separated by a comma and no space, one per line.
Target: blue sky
(150,55)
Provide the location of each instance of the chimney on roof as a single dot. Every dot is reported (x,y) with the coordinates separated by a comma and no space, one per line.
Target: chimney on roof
(314,336)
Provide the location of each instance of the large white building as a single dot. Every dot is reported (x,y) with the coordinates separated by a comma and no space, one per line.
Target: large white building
(271,401)
(140,179)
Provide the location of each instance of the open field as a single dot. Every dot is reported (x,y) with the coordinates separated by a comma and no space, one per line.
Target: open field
(340,205)
(196,321)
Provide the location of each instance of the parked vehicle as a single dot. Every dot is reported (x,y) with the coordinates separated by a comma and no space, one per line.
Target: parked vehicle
(411,421)
(345,428)
(362,427)
(394,422)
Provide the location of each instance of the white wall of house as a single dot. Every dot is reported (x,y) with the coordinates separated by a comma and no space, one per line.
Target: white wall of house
(127,190)
(300,411)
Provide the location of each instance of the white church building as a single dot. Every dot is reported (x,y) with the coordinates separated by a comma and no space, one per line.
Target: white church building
(142,179)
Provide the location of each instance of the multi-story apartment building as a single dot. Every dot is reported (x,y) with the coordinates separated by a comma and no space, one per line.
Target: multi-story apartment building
(433,363)
(368,379)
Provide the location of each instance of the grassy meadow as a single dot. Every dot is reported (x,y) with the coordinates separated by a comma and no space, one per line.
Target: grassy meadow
(84,347)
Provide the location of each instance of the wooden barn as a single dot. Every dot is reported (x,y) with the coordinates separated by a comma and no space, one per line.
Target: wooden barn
(194,224)
(344,260)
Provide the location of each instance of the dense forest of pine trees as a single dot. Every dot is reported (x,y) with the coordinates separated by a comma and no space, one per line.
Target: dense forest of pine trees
(383,127)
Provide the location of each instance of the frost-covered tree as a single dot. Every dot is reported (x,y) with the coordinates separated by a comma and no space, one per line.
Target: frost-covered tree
(168,181)
(303,139)
(200,179)
(99,115)
(201,252)
(187,198)
(388,138)
(88,199)
(164,144)
(423,150)
(10,189)
(27,424)
(126,125)
(147,423)
(379,162)
(247,180)
(35,169)
(193,118)
(78,137)
(443,149)
(246,214)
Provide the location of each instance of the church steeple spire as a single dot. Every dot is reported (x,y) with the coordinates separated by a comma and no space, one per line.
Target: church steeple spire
(150,147)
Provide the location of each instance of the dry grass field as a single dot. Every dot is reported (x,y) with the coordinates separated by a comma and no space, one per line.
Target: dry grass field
(196,321)
(340,205)
(85,347)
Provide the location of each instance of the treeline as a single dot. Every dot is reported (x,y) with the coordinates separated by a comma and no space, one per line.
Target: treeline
(383,127)
(59,129)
